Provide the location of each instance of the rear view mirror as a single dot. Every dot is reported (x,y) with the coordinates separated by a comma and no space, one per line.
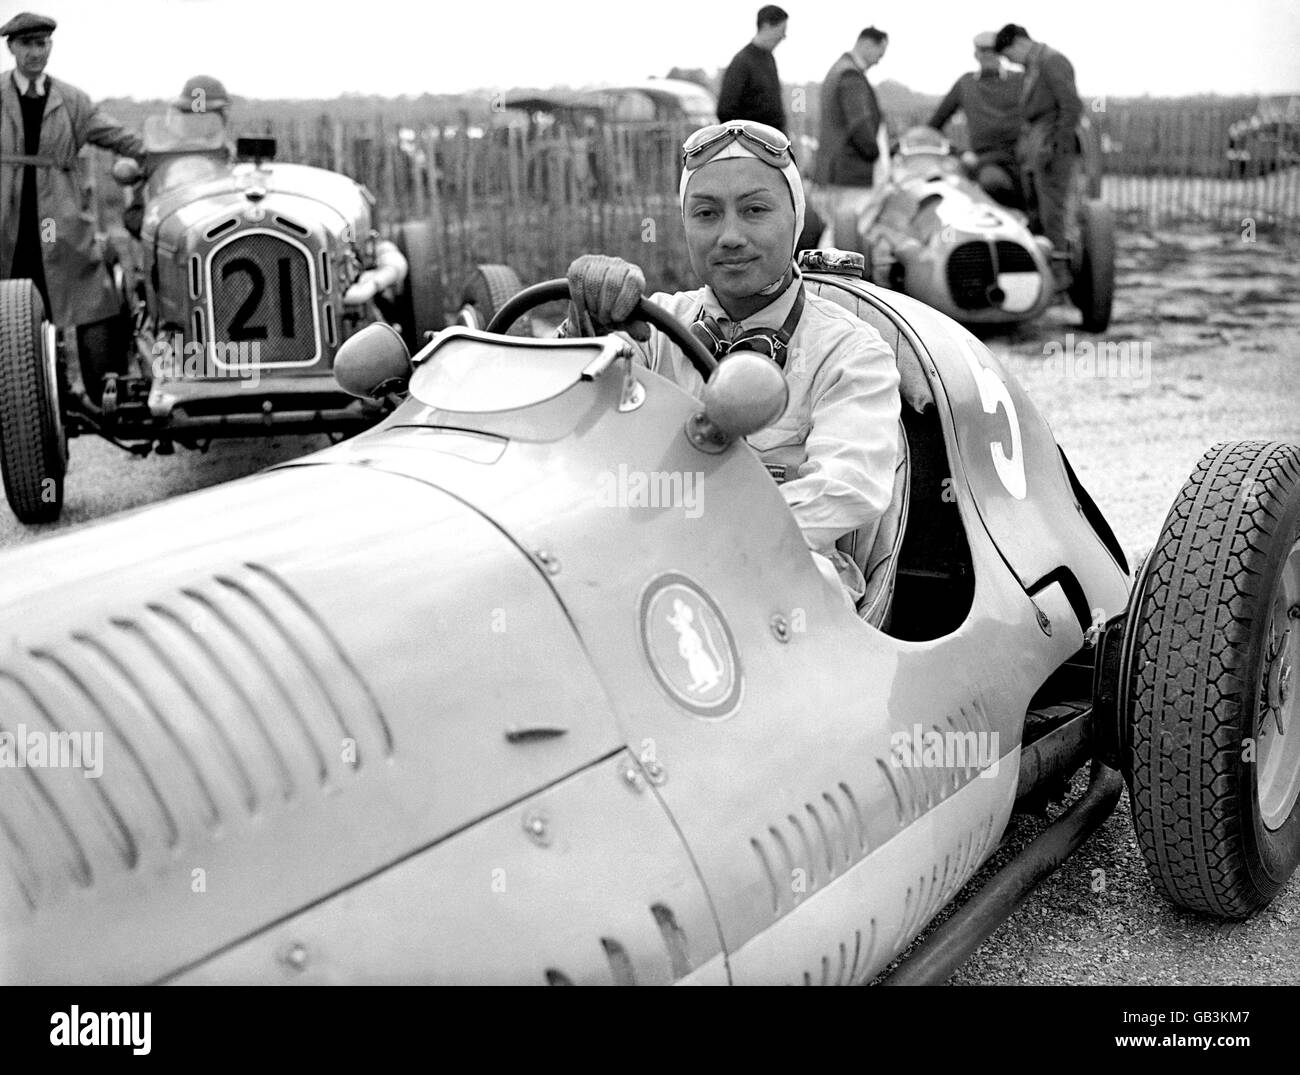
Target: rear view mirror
(373,363)
(255,149)
(746,393)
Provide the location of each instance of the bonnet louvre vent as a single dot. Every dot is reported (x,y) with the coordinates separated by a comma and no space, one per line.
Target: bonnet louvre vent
(231,698)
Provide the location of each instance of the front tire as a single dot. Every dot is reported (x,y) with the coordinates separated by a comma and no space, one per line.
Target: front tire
(419,308)
(33,445)
(1093,287)
(1215,674)
(488,289)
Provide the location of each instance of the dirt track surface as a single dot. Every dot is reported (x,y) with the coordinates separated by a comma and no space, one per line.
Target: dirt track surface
(1210,328)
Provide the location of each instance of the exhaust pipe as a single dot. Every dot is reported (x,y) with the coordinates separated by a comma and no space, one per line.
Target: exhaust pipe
(995,296)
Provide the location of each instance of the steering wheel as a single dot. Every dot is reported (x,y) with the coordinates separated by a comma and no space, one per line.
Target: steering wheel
(557,290)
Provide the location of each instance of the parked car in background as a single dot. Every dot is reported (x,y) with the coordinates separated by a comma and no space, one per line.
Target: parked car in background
(1267,141)
(645,122)
(243,278)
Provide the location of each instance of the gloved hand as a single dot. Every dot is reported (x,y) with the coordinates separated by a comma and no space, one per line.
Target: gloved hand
(603,292)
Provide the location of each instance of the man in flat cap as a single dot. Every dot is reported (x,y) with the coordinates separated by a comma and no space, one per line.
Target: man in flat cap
(1048,148)
(47,234)
(990,100)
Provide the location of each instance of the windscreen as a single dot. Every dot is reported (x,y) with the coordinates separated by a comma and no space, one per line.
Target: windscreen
(475,375)
(175,131)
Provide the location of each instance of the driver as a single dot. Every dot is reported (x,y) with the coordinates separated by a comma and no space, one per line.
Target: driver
(200,94)
(835,449)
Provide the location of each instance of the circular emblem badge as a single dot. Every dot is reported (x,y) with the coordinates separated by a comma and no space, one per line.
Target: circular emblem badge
(690,648)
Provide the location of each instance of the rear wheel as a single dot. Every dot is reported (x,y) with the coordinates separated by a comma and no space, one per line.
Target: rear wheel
(419,309)
(488,289)
(1093,286)
(33,445)
(1215,736)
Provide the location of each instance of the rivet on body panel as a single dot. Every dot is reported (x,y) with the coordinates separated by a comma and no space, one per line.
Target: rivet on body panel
(538,827)
(781,628)
(630,774)
(653,768)
(549,561)
(295,956)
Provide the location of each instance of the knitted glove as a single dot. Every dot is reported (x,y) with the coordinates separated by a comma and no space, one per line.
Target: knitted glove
(603,293)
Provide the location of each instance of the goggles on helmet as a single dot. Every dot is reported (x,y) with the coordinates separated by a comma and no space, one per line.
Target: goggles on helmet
(766,143)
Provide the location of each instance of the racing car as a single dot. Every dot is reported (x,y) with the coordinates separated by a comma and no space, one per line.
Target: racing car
(936,234)
(537,682)
(245,278)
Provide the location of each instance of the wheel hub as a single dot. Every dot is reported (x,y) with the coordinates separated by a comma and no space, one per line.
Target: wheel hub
(1278,753)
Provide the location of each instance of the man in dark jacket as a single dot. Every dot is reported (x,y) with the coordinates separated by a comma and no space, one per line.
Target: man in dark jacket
(1048,149)
(46,234)
(751,88)
(853,148)
(990,100)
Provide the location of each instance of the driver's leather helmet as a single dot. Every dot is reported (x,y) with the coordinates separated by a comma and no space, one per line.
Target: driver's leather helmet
(203,93)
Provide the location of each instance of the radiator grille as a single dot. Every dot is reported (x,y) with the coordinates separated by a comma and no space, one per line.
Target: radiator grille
(262,294)
(1012,257)
(970,275)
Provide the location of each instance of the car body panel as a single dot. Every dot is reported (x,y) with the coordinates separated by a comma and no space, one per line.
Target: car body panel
(258,713)
(1012,471)
(552,906)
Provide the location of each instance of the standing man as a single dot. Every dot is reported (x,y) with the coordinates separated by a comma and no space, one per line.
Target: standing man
(990,100)
(47,235)
(1048,149)
(853,150)
(751,88)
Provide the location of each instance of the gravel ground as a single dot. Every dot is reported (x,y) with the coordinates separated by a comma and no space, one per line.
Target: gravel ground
(1212,352)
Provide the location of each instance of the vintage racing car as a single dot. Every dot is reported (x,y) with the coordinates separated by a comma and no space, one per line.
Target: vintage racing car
(244,280)
(935,234)
(536,682)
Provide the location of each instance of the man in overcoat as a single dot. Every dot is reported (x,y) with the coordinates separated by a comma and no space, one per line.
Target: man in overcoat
(47,229)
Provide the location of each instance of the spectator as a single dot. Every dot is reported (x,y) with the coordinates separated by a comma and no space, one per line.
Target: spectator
(751,88)
(46,235)
(1048,148)
(990,100)
(853,150)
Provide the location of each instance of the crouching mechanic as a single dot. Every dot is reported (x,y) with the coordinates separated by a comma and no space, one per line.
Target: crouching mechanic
(835,448)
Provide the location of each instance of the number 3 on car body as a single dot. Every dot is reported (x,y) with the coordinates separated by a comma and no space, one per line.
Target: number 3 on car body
(993,393)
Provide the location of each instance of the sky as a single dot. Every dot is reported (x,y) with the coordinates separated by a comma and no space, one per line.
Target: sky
(323,48)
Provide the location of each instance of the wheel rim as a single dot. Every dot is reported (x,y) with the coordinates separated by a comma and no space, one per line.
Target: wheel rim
(50,349)
(1278,747)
